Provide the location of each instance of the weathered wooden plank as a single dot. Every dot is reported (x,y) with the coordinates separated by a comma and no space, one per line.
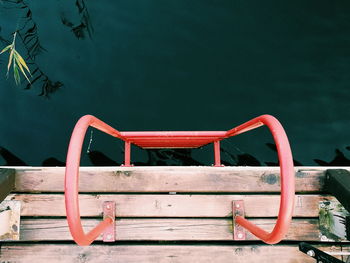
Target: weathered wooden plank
(169,179)
(164,229)
(167,205)
(7,182)
(55,253)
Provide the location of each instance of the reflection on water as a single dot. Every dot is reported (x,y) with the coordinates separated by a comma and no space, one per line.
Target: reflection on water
(84,26)
(177,65)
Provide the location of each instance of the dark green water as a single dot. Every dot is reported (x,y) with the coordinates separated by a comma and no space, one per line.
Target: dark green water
(181,65)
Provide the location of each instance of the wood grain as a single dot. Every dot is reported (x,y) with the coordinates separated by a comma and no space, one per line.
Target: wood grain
(164,229)
(43,253)
(169,179)
(167,205)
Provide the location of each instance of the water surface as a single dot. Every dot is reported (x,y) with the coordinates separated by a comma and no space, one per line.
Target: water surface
(181,65)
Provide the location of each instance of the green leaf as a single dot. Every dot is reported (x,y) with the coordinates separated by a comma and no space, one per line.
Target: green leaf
(16,74)
(19,65)
(5,49)
(10,61)
(22,62)
(22,70)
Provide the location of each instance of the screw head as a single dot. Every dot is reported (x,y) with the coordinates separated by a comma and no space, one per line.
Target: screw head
(240,235)
(238,206)
(311,253)
(324,238)
(108,206)
(109,237)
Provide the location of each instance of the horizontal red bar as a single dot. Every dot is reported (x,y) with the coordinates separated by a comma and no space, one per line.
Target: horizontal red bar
(151,139)
(170,140)
(173,139)
(192,134)
(169,145)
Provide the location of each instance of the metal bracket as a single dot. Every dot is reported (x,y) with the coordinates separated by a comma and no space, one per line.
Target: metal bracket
(320,256)
(238,210)
(109,212)
(10,214)
(333,221)
(337,183)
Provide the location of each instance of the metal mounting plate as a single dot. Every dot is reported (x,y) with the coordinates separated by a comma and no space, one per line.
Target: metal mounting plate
(332,221)
(238,210)
(109,212)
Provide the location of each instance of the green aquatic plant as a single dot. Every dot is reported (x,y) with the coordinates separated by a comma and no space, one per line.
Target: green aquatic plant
(27,34)
(15,59)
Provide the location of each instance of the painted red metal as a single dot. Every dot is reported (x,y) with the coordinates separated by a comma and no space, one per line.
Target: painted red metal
(217,159)
(287,179)
(72,180)
(127,154)
(179,139)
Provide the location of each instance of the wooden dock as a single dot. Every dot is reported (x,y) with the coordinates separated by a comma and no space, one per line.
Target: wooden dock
(166,214)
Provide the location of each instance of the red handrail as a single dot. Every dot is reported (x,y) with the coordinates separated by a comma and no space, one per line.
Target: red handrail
(178,139)
(71,182)
(287,179)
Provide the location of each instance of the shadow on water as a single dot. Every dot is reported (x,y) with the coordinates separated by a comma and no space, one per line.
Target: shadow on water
(272,146)
(162,157)
(10,159)
(338,160)
(242,159)
(53,162)
(176,157)
(98,158)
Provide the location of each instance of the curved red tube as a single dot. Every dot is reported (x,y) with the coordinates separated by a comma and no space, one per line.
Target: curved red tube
(71,182)
(287,179)
(284,156)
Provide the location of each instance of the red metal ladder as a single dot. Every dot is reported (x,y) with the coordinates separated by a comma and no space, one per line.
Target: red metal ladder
(178,139)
